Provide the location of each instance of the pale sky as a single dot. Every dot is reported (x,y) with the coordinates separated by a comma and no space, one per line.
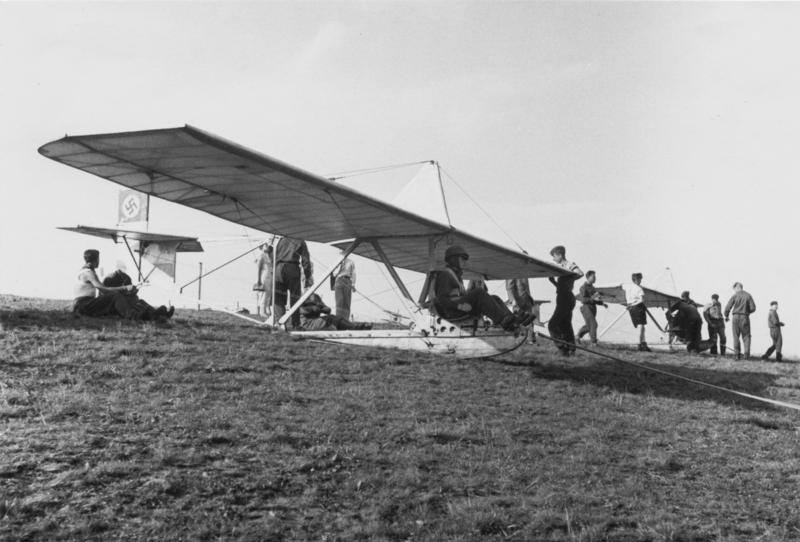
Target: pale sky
(639,135)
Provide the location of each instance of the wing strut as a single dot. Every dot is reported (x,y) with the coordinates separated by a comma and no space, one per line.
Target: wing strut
(302,299)
(391,269)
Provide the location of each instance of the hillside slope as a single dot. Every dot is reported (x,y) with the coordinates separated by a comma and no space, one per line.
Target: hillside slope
(211,429)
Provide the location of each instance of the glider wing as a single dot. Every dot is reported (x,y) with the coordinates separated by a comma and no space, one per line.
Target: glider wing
(205,172)
(652,298)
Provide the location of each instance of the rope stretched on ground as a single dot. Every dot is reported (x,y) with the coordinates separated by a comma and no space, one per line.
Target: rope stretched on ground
(667,373)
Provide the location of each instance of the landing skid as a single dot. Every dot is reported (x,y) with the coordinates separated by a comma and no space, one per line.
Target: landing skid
(438,337)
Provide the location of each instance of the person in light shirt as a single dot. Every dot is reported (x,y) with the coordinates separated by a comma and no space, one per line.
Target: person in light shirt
(634,301)
(111,300)
(344,284)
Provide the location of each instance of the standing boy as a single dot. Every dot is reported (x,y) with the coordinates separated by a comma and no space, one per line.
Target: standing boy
(634,301)
(775,325)
(590,299)
(716,325)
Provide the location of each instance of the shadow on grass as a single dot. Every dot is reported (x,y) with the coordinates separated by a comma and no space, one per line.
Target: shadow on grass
(635,380)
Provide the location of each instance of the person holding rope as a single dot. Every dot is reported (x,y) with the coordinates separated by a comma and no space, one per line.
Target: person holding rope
(634,301)
(560,323)
(290,255)
(590,299)
(775,325)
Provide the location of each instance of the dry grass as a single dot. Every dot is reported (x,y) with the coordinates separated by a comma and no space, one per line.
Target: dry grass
(213,430)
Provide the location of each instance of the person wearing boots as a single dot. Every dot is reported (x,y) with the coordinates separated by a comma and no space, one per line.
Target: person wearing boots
(451,300)
(775,325)
(290,255)
(634,301)
(741,304)
(716,325)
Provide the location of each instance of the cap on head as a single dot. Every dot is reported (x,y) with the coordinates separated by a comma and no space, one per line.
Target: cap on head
(714,296)
(685,295)
(455,250)
(558,249)
(737,285)
(90,255)
(590,273)
(773,304)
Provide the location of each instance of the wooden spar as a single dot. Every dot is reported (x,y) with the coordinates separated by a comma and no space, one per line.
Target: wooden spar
(138,264)
(391,269)
(423,295)
(302,299)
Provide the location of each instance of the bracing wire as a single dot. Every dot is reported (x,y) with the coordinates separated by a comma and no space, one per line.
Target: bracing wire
(484,211)
(366,171)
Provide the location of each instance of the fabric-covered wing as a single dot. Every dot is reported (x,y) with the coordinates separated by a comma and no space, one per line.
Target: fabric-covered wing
(184,244)
(652,298)
(208,173)
(200,170)
(486,260)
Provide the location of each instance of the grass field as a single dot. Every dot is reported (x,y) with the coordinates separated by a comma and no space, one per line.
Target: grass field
(210,429)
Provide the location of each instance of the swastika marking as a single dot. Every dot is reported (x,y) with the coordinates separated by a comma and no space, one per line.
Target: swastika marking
(130,206)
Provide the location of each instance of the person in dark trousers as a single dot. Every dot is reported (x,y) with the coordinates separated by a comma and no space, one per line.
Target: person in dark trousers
(315,315)
(290,254)
(741,304)
(560,324)
(634,302)
(716,325)
(451,300)
(92,298)
(590,299)
(686,318)
(775,325)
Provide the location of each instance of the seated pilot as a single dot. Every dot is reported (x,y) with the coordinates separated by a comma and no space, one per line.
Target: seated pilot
(451,300)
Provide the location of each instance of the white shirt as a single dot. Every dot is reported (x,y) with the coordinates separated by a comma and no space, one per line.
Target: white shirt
(572,267)
(85,286)
(634,295)
(347,269)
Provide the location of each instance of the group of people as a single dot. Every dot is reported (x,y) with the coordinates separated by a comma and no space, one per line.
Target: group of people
(293,271)
(290,261)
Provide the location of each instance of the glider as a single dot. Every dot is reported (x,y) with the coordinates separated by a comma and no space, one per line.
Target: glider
(211,174)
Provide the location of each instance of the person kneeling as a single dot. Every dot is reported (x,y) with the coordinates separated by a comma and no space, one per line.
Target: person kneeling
(315,315)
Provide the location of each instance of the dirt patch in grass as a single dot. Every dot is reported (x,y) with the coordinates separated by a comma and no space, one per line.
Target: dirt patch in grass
(210,429)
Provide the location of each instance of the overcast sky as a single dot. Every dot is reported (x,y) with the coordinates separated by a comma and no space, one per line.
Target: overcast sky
(641,136)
